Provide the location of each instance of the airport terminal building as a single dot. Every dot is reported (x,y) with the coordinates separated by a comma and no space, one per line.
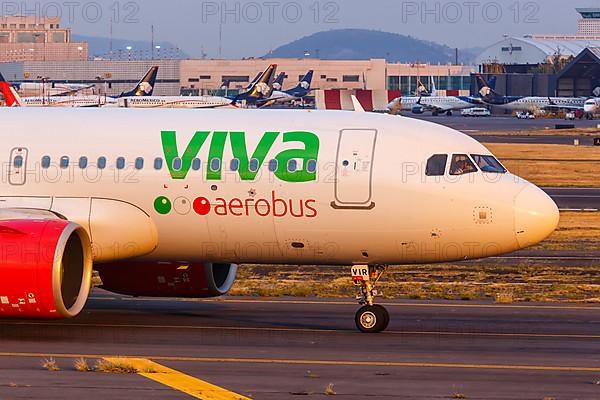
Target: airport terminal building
(205,76)
(34,38)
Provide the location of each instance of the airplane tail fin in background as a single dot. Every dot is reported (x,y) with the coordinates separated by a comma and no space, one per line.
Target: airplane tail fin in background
(421,89)
(278,83)
(492,82)
(145,87)
(306,81)
(261,89)
(434,91)
(11,97)
(485,90)
(253,82)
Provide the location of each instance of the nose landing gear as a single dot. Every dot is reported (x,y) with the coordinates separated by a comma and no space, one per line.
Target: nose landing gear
(370,318)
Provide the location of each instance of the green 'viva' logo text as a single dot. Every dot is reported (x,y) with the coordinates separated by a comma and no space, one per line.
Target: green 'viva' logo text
(305,151)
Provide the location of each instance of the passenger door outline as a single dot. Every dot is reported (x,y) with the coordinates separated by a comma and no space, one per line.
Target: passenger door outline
(355,158)
(17,171)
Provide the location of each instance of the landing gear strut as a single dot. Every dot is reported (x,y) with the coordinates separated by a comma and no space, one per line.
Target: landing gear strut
(370,318)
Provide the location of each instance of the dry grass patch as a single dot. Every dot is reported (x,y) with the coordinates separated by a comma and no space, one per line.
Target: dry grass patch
(544,151)
(115,367)
(329,390)
(576,231)
(532,163)
(544,132)
(311,375)
(50,364)
(82,365)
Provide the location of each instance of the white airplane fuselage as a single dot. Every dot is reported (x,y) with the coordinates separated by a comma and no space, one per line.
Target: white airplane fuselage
(174,102)
(592,106)
(68,101)
(264,186)
(536,104)
(433,103)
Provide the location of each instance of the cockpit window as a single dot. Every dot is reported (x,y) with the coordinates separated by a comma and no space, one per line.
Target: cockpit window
(462,164)
(436,165)
(488,164)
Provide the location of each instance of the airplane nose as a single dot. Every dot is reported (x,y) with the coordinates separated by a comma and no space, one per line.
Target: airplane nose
(536,216)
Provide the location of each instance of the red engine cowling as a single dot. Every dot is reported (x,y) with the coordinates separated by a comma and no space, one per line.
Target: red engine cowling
(168,279)
(45,268)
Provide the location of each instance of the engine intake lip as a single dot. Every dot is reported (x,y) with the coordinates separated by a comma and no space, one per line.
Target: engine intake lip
(63,263)
(221,277)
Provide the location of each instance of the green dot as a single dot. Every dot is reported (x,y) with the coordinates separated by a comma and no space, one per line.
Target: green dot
(162,205)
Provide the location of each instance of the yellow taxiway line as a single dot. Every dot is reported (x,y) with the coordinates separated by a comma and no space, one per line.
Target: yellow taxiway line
(179,381)
(350,363)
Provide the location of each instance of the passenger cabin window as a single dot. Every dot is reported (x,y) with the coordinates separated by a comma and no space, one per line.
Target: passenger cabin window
(46,162)
(101,162)
(139,163)
(462,164)
(436,165)
(292,165)
(254,164)
(215,164)
(177,164)
(488,164)
(83,162)
(273,164)
(311,166)
(196,164)
(120,163)
(64,162)
(234,165)
(158,164)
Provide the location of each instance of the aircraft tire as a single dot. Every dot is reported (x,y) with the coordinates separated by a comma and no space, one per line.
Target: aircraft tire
(372,319)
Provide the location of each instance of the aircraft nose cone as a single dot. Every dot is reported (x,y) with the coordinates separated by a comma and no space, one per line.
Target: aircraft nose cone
(536,216)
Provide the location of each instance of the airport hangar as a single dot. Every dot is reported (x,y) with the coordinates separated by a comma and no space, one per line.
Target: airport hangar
(532,65)
(581,77)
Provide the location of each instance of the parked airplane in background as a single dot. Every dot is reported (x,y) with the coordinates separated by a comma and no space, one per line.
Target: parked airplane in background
(278,82)
(527,103)
(297,93)
(434,103)
(260,88)
(172,201)
(144,87)
(591,107)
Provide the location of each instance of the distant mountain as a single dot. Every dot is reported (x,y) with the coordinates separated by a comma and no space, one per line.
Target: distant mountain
(363,44)
(100,46)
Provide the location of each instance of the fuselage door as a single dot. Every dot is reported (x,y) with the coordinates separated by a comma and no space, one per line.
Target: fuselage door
(354,168)
(17,166)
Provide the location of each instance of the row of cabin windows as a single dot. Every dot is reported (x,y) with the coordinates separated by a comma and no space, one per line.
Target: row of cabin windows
(215,164)
(463,164)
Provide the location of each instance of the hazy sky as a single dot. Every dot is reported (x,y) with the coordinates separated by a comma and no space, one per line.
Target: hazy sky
(253,28)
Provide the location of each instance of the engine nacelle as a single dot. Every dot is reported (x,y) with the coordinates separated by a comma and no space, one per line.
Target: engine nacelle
(45,268)
(168,279)
(418,109)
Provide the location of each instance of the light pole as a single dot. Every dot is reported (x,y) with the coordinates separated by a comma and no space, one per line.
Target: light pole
(43,79)
(157,47)
(99,80)
(129,52)
(80,49)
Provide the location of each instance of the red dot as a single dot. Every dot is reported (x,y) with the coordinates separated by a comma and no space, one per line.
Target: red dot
(202,206)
